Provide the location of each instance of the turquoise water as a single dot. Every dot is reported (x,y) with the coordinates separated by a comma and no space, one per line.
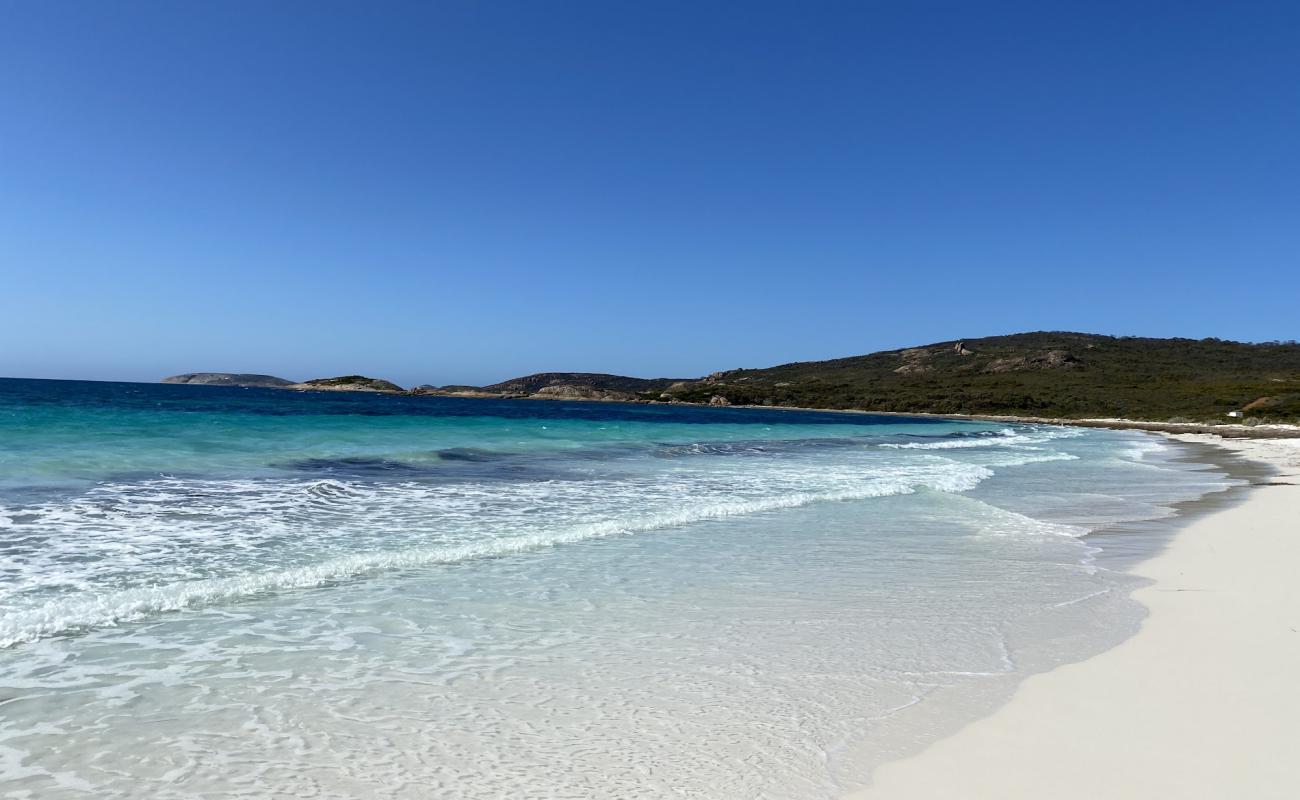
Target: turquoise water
(230,592)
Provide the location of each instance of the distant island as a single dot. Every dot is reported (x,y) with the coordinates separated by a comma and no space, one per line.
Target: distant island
(348,383)
(344,383)
(1058,375)
(568,386)
(229,379)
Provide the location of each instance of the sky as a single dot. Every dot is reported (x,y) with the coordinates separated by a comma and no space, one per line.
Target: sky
(462,192)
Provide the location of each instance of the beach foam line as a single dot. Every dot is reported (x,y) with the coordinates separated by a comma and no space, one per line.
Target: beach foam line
(1002,438)
(80,613)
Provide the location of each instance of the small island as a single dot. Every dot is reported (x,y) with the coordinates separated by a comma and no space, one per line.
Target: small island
(229,379)
(348,383)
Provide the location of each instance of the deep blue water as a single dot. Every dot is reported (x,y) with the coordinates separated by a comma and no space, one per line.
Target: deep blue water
(20,392)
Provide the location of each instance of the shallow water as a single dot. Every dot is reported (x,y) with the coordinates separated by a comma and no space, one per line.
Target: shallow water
(220,592)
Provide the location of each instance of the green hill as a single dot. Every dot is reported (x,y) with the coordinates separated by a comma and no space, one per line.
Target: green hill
(1045,374)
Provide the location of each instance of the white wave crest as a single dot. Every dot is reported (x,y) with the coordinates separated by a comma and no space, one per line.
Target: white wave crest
(1007,437)
(87,610)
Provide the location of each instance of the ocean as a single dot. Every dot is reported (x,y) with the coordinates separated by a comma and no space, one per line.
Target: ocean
(225,592)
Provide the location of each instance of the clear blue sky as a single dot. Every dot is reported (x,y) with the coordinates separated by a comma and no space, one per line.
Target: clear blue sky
(465,191)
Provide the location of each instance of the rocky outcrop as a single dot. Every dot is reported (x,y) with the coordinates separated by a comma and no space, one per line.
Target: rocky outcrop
(454,391)
(915,361)
(557,391)
(229,379)
(962,350)
(714,378)
(569,392)
(719,400)
(1051,359)
(347,383)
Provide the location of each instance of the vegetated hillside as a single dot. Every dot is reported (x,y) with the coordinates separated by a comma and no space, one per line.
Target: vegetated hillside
(1045,374)
(531,384)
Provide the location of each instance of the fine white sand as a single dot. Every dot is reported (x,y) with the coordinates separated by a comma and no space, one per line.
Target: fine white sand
(1204,702)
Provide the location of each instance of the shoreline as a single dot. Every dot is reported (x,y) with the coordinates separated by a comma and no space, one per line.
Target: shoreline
(1260,431)
(1225,430)
(1198,703)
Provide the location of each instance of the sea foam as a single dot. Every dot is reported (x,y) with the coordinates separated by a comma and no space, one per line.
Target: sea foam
(92,607)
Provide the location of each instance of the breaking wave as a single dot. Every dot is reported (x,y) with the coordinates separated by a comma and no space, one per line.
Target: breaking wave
(97,608)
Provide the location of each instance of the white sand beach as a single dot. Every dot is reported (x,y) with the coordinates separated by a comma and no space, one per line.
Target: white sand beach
(1202,703)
